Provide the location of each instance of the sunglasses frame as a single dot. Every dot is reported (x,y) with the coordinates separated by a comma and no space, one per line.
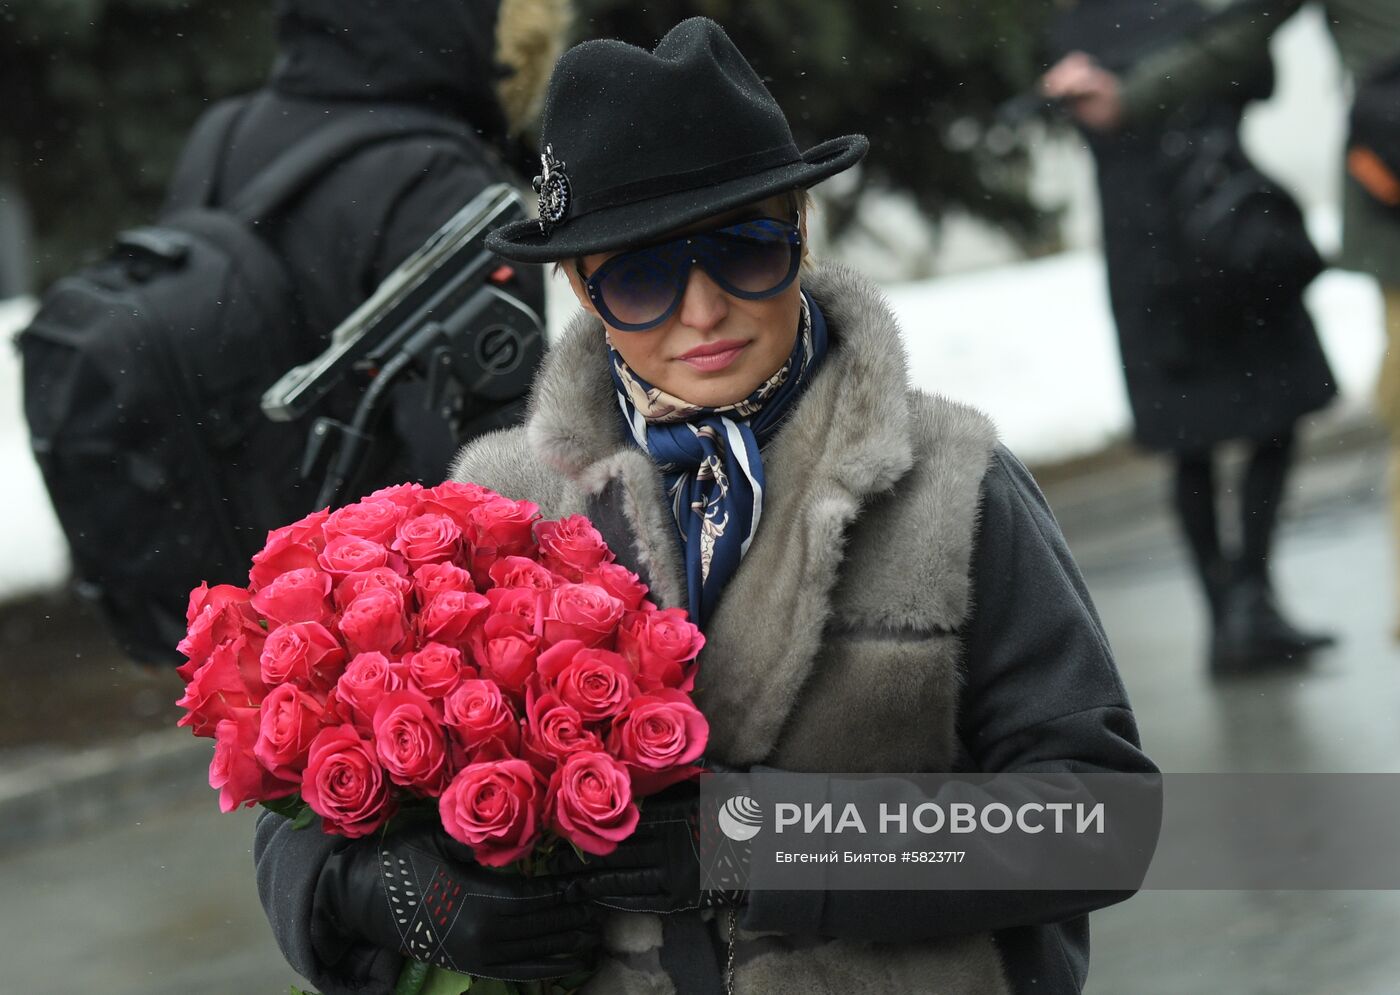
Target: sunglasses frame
(592,284)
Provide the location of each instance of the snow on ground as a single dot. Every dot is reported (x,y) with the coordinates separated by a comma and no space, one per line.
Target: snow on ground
(33,553)
(1032,344)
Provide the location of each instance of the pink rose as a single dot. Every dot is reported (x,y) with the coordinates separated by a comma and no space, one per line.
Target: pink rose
(434,578)
(303,653)
(449,615)
(372,520)
(344,783)
(590,802)
(365,682)
(657,737)
(289,719)
(295,596)
(455,500)
(216,597)
(405,496)
(350,554)
(571,546)
(553,730)
(216,616)
(230,680)
(355,584)
(509,660)
(235,772)
(375,622)
(584,612)
(427,539)
(521,571)
(661,646)
(292,547)
(494,807)
(409,741)
(437,669)
(510,604)
(595,682)
(499,527)
(477,711)
(621,583)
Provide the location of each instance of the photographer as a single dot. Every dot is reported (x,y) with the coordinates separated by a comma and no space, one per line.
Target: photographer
(479,65)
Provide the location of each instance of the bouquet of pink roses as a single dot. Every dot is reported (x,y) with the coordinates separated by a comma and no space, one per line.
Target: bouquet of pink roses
(444,648)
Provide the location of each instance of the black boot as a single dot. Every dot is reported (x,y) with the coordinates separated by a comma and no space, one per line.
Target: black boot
(1251,633)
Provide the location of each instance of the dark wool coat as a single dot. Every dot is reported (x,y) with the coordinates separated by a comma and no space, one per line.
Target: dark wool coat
(1197,373)
(367,215)
(1206,65)
(908,604)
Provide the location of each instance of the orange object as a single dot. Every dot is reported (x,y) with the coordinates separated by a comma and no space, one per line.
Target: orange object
(1371,172)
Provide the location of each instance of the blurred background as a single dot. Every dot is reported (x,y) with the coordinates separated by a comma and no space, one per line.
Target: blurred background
(983,226)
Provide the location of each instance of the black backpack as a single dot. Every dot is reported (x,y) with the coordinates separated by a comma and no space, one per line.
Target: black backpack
(142,380)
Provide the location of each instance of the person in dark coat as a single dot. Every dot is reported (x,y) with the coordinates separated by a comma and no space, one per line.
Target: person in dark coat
(479,63)
(1201,371)
(880,583)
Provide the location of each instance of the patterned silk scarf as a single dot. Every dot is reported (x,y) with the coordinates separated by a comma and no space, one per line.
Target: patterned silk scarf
(711,457)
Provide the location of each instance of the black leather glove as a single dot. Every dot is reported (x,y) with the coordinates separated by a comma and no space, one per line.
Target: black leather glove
(420,892)
(657,869)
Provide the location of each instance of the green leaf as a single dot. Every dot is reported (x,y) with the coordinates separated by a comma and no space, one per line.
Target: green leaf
(490,986)
(289,807)
(412,978)
(444,982)
(304,818)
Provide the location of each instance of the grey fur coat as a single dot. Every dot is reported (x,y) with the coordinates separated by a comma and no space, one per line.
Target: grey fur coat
(837,645)
(908,604)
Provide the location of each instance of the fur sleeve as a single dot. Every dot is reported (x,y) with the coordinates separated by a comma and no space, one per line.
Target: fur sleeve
(505,462)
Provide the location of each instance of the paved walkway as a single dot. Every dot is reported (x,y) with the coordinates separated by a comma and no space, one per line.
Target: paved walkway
(1337,715)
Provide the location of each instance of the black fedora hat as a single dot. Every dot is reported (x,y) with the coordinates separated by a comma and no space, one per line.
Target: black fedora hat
(638,143)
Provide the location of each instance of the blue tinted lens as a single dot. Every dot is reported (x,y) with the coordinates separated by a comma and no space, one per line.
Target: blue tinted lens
(636,290)
(754,259)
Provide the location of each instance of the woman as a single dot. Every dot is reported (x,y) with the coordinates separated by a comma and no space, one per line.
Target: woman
(1201,371)
(882,587)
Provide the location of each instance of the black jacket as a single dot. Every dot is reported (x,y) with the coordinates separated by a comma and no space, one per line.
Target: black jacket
(369,213)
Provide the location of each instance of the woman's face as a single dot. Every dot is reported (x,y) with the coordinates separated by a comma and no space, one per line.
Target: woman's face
(714,349)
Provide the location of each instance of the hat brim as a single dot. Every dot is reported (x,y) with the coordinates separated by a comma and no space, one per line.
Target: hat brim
(646,220)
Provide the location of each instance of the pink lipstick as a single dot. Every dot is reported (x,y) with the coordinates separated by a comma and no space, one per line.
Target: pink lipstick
(713,356)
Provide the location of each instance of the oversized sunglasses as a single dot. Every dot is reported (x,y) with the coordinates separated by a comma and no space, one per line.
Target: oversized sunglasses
(639,289)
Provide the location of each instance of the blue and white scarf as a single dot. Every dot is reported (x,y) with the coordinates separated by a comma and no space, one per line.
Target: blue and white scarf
(711,457)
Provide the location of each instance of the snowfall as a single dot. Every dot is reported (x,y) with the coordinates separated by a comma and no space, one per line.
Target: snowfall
(1029,342)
